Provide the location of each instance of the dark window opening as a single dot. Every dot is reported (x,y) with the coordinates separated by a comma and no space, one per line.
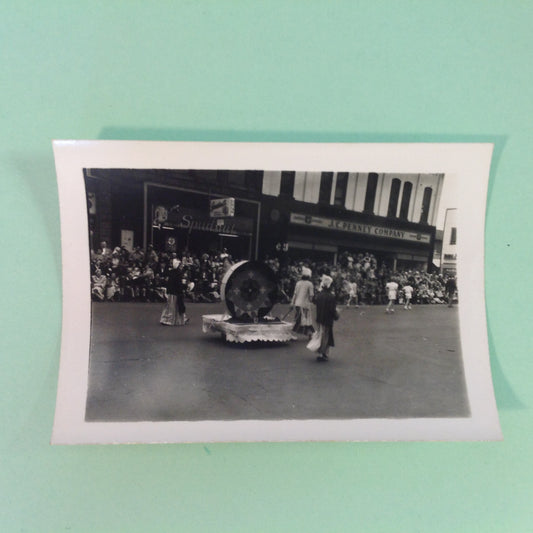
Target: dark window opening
(340,189)
(326,181)
(287,183)
(394,197)
(406,199)
(237,178)
(254,180)
(371,189)
(426,202)
(209,176)
(453,236)
(222,177)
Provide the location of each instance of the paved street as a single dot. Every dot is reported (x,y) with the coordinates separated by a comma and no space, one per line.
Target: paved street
(403,365)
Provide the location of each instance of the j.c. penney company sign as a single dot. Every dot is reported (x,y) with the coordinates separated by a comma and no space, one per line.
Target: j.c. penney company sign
(356,227)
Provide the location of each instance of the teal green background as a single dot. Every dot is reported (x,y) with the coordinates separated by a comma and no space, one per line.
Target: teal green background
(260,71)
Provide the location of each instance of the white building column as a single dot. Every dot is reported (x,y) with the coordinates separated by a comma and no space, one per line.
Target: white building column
(400,196)
(299,185)
(379,194)
(333,187)
(360,191)
(312,187)
(271,182)
(435,199)
(416,201)
(350,191)
(384,195)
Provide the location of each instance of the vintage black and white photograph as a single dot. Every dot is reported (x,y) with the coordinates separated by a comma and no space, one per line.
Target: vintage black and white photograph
(273,292)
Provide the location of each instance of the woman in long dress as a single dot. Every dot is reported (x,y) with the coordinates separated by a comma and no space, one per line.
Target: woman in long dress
(301,301)
(174,311)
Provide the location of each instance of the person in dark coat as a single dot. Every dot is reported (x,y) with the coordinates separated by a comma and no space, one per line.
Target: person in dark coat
(326,314)
(451,288)
(174,312)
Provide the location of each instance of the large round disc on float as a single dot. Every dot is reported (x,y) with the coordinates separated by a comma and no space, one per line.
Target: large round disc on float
(249,289)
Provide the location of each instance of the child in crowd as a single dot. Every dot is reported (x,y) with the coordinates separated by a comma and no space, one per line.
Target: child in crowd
(392,293)
(352,295)
(408,295)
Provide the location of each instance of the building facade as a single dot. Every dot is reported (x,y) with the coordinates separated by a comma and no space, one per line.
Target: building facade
(448,264)
(323,214)
(292,214)
(170,209)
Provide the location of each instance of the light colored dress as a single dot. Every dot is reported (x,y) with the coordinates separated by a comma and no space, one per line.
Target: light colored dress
(99,282)
(302,300)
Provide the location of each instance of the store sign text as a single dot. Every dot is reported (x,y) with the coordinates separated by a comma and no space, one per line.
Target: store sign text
(189,219)
(187,222)
(356,227)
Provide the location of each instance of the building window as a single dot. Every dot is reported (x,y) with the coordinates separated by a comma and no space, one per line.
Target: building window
(340,189)
(254,180)
(287,183)
(406,199)
(326,181)
(371,189)
(222,177)
(237,178)
(394,197)
(209,176)
(453,236)
(426,202)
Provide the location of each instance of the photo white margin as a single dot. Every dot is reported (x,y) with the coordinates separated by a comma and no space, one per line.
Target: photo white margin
(469,162)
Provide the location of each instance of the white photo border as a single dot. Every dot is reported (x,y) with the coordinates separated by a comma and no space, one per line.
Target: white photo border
(468,162)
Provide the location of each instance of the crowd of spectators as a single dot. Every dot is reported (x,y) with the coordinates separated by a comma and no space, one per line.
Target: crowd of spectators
(141,275)
(369,275)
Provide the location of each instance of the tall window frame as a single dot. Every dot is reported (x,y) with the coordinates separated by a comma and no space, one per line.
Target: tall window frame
(326,182)
(453,236)
(406,200)
(426,204)
(371,191)
(339,198)
(286,187)
(394,198)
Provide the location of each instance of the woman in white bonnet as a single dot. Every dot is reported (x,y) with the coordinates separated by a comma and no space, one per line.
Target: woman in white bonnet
(301,301)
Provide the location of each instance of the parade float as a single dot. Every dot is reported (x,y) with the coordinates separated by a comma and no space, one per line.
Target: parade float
(249,291)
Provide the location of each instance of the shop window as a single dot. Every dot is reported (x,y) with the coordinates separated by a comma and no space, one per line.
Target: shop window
(340,189)
(453,236)
(426,202)
(394,197)
(326,182)
(406,199)
(287,183)
(371,189)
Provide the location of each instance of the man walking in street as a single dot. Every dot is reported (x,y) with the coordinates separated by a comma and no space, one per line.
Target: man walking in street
(451,288)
